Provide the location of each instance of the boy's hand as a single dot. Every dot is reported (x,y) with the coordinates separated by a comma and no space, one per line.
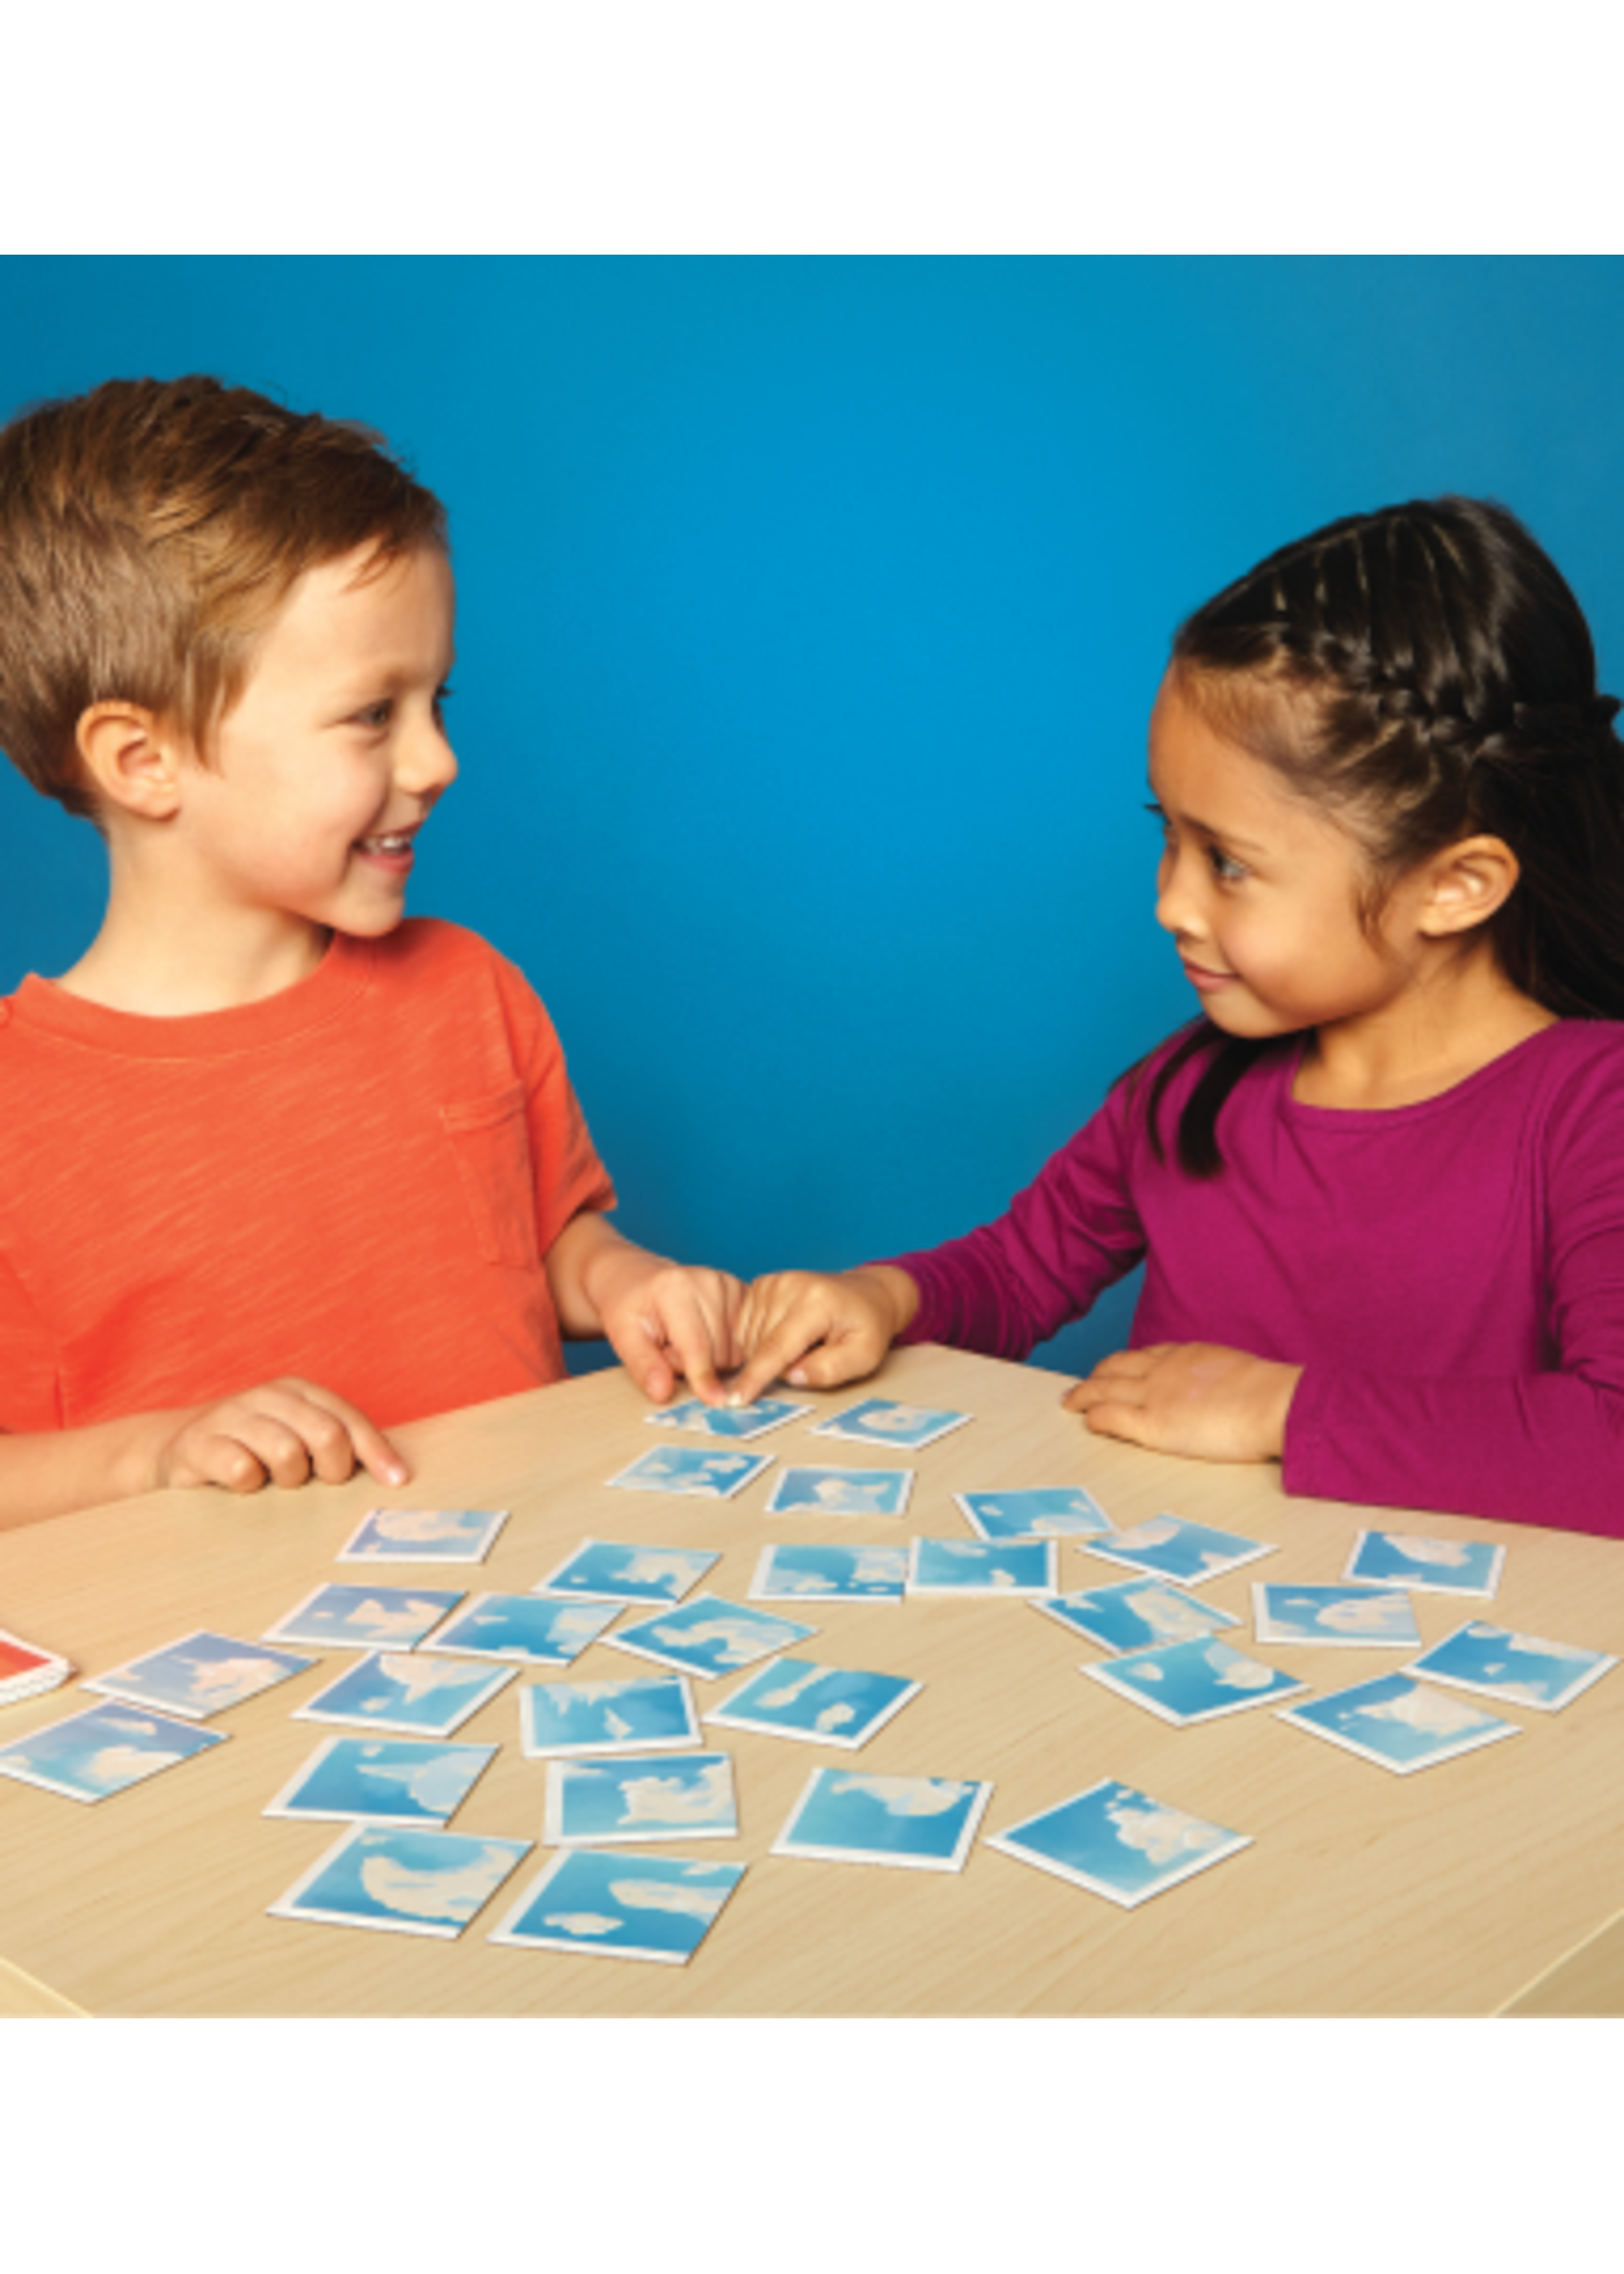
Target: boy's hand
(280,1432)
(663,1319)
(1191,1397)
(814,1330)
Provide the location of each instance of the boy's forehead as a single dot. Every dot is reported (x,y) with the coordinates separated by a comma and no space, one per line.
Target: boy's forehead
(360,609)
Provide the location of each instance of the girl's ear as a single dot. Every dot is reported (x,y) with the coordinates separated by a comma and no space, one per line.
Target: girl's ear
(1465,883)
(131,761)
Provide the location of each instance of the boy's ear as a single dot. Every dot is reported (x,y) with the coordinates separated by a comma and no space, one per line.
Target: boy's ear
(1465,883)
(131,760)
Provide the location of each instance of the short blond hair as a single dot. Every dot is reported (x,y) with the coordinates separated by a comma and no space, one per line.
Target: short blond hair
(149,530)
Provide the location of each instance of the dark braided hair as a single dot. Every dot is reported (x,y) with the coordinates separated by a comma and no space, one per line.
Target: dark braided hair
(1425,674)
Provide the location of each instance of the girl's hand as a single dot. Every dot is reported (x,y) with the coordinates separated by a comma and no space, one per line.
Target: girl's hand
(815,1330)
(1191,1397)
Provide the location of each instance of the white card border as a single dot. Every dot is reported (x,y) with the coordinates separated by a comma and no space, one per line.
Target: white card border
(1132,1560)
(757,1592)
(1414,1586)
(1102,1670)
(95,1799)
(688,1665)
(504,1931)
(548,1583)
(1101,1531)
(1226,1618)
(279,1809)
(441,1932)
(662,1419)
(840,1515)
(1264,1629)
(625,1480)
(926,1592)
(435,1557)
(1421,1672)
(1007,1843)
(330,1642)
(1452,1751)
(616,1748)
(500,1675)
(641,1836)
(432,1647)
(723,1718)
(831,1428)
(866,1856)
(97,1684)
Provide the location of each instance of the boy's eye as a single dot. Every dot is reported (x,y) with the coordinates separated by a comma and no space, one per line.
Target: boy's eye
(374,715)
(1226,870)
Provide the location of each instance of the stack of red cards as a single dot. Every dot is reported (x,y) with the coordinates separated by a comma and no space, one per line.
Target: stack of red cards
(26,1670)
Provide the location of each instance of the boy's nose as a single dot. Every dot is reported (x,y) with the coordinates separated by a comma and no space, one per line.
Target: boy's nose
(427,764)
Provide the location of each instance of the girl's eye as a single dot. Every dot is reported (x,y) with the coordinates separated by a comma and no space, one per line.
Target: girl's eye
(442,696)
(1226,870)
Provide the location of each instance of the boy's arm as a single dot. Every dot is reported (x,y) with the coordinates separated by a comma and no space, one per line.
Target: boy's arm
(281,1432)
(662,1317)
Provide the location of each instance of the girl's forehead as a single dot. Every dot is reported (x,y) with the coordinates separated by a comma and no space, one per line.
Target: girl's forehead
(1205,777)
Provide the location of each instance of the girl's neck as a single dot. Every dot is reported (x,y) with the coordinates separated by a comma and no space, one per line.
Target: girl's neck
(1425,1042)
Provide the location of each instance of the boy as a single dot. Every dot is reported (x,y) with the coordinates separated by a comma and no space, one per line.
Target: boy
(278,1169)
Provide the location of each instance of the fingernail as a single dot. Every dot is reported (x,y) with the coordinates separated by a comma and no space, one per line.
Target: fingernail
(797,1375)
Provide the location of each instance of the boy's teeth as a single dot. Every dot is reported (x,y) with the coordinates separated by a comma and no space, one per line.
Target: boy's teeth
(385,844)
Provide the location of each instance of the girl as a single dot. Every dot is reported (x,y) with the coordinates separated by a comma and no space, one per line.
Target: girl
(1379,1186)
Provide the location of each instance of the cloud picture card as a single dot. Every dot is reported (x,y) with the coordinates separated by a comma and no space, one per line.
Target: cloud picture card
(342,1615)
(673,1796)
(1118,1842)
(658,1907)
(1520,1668)
(1007,1567)
(648,1714)
(414,1696)
(1435,1566)
(201,1675)
(422,1536)
(916,1822)
(691,1470)
(709,1636)
(1174,1549)
(529,1629)
(1134,1614)
(738,1423)
(1038,1512)
(1399,1724)
(817,1491)
(614,1571)
(402,1882)
(888,1422)
(819,1704)
(1348,1616)
(105,1749)
(876,1573)
(1194,1681)
(384,1780)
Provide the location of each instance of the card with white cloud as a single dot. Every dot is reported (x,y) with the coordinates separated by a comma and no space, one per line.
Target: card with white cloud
(737,1423)
(1399,1724)
(422,1536)
(199,1676)
(384,1780)
(416,1696)
(1434,1566)
(821,1704)
(650,1714)
(691,1470)
(614,1571)
(402,1882)
(532,1630)
(658,1907)
(103,1750)
(1007,1567)
(343,1616)
(917,1823)
(888,1422)
(1174,1549)
(1347,1615)
(1194,1681)
(1519,1668)
(673,1796)
(811,1490)
(870,1574)
(709,1636)
(1118,1842)
(1037,1512)
(1134,1614)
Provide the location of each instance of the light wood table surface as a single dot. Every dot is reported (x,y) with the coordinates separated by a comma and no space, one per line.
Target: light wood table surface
(1489,1883)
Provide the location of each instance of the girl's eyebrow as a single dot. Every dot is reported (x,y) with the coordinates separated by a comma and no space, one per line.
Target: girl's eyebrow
(1205,829)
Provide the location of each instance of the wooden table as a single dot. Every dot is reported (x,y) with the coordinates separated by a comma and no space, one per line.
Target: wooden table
(1491,1884)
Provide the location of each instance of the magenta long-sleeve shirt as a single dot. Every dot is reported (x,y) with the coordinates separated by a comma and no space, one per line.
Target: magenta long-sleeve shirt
(1450,1275)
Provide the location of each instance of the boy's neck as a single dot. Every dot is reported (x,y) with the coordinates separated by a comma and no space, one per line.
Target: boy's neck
(182,967)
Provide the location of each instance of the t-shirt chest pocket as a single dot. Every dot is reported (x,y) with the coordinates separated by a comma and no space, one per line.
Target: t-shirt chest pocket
(491,1141)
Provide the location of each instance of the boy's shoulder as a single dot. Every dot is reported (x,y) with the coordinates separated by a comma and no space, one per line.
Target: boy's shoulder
(432,953)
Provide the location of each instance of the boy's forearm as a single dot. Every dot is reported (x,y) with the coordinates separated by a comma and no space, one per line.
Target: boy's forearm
(586,1249)
(52,1473)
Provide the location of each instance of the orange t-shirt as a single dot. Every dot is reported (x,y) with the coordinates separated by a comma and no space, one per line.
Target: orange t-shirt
(355,1181)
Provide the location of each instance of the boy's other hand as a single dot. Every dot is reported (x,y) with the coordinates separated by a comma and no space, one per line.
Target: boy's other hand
(814,1330)
(280,1432)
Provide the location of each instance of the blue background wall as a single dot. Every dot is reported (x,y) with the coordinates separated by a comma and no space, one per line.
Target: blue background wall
(810,614)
